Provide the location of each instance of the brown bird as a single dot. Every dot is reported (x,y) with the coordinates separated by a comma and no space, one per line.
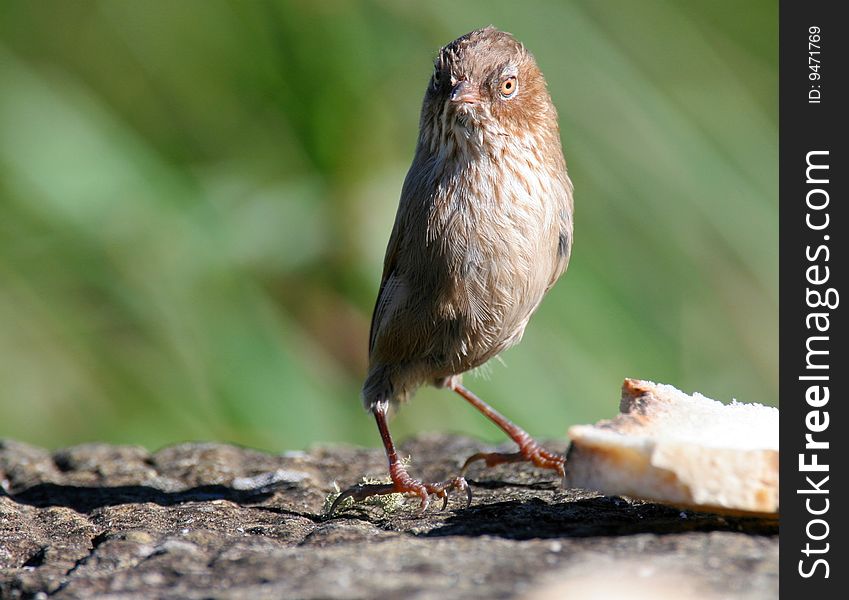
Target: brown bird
(483,230)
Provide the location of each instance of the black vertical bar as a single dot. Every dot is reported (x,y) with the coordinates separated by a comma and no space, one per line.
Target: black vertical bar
(813,108)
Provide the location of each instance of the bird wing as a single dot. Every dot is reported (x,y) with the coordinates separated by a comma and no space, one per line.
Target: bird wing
(564,238)
(389,282)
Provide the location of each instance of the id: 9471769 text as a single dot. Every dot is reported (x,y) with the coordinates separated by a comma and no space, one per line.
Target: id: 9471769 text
(814,75)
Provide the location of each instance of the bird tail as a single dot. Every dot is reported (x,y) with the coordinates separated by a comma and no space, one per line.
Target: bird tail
(384,386)
(378,388)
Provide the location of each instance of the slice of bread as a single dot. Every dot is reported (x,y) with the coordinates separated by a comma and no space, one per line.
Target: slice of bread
(689,451)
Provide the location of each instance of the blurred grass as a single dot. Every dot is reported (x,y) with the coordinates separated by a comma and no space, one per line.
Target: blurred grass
(195,197)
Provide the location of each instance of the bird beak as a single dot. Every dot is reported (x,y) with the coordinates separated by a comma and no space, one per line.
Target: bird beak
(464,92)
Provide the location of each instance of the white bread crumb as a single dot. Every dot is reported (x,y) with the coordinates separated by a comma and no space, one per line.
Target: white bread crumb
(685,450)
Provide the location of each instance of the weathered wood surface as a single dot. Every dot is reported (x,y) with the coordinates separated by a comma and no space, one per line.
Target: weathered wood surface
(194,521)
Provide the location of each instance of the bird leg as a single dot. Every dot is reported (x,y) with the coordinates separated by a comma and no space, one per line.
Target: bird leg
(402,483)
(529,449)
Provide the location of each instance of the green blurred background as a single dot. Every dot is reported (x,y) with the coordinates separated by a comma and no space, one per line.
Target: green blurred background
(195,198)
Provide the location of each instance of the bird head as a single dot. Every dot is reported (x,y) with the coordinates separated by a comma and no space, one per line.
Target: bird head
(485,85)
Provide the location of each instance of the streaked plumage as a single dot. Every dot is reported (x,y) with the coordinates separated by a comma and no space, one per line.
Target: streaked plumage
(483,230)
(484,225)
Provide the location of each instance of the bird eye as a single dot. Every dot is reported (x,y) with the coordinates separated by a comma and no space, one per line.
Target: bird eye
(435,76)
(509,87)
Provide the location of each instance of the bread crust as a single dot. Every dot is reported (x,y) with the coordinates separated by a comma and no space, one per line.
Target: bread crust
(688,451)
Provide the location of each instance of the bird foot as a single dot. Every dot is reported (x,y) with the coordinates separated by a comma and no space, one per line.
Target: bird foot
(531,452)
(404,484)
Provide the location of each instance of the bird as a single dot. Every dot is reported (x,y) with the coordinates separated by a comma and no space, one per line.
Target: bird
(482,232)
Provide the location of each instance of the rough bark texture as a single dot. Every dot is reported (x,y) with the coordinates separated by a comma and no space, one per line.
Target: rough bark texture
(207,520)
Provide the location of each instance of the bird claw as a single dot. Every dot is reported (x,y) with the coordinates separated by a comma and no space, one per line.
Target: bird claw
(459,483)
(360,492)
(409,486)
(534,454)
(463,485)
